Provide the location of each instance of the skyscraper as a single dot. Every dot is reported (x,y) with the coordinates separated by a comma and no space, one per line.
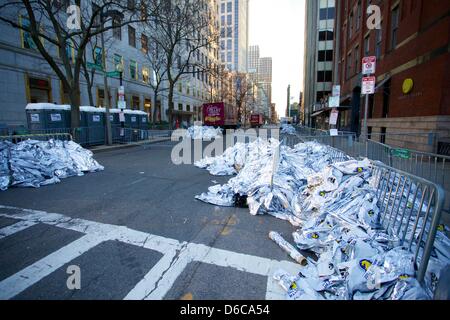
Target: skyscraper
(319,47)
(234,34)
(265,76)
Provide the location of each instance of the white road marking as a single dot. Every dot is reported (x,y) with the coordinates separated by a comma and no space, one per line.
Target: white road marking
(16,227)
(15,284)
(159,279)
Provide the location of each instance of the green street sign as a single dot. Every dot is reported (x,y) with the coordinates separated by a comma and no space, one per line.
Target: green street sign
(113,74)
(91,65)
(401,153)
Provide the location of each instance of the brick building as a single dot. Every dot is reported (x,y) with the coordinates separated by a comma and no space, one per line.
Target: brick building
(413,71)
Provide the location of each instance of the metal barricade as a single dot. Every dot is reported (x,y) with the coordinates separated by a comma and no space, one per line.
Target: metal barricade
(39,137)
(398,192)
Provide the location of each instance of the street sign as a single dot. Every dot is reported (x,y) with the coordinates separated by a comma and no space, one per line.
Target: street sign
(401,153)
(334,117)
(334,132)
(336,91)
(122,104)
(113,74)
(333,102)
(369,65)
(91,65)
(368,85)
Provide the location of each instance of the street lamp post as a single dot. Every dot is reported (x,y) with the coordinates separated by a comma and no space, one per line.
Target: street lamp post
(119,68)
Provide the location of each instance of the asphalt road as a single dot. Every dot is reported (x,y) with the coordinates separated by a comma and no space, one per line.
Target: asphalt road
(135,231)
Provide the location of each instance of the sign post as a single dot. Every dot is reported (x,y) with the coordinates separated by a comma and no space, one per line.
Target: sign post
(333,102)
(368,87)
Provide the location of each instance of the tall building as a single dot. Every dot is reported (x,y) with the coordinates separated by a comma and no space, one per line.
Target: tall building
(412,72)
(234,34)
(265,76)
(253,63)
(318,59)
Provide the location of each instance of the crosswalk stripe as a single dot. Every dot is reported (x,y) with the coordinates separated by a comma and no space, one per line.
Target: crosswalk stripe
(160,278)
(15,284)
(16,227)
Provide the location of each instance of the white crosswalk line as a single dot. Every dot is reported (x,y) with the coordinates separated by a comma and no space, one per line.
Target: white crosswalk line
(15,284)
(16,227)
(159,279)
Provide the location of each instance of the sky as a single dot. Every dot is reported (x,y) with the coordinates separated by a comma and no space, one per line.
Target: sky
(277,26)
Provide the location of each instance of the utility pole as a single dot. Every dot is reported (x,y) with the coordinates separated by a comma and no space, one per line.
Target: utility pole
(288,109)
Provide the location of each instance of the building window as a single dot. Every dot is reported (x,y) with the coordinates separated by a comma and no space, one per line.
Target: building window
(145,75)
(325,55)
(180,107)
(326,13)
(229,32)
(222,8)
(70,51)
(322,95)
(133,70)
(367,46)
(326,35)
(229,20)
(358,15)
(188,108)
(27,41)
(98,57)
(349,65)
(101,97)
(229,7)
(394,27)
(356,59)
(148,107)
(386,98)
(117,29)
(379,38)
(131,36)
(144,43)
(229,44)
(324,76)
(350,25)
(39,90)
(135,101)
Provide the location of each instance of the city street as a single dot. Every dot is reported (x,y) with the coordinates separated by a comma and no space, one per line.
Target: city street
(136,232)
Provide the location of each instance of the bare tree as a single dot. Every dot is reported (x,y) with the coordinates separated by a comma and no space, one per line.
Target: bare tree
(59,24)
(181,29)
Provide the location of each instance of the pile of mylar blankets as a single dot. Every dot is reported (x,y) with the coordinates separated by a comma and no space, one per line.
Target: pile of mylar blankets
(33,163)
(203,132)
(334,205)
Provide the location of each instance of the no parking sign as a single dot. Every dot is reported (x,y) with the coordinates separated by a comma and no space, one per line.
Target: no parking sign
(369,65)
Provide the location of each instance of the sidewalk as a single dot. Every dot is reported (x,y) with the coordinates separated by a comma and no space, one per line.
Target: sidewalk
(104,148)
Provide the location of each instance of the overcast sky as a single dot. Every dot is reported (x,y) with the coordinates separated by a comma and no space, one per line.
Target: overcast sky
(277,26)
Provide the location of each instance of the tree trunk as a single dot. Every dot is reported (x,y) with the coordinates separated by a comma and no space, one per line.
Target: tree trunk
(155,104)
(75,107)
(170,101)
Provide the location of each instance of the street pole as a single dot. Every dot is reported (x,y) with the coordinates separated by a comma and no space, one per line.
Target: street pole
(106,93)
(365,133)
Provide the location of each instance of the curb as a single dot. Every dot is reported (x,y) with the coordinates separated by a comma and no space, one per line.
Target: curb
(102,149)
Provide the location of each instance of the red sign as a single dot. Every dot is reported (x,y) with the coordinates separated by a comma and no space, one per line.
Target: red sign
(369,65)
(214,114)
(368,85)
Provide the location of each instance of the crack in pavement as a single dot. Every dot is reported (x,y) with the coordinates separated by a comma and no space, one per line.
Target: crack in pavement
(175,258)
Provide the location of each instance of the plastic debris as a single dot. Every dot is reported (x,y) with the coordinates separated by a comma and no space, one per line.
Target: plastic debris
(287,129)
(286,246)
(203,132)
(34,163)
(339,217)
